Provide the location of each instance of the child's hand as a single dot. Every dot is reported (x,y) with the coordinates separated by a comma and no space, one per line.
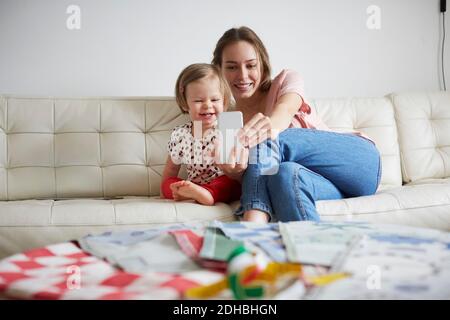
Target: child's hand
(232,168)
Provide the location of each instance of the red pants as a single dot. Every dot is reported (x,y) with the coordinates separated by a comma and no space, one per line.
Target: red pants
(223,189)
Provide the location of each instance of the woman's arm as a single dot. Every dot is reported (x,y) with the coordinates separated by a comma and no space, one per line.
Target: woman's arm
(285,109)
(258,129)
(262,127)
(170,170)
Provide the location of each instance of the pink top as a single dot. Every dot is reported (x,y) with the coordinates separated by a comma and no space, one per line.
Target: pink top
(289,81)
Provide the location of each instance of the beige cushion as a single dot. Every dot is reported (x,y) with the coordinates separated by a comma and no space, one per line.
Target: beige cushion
(98,212)
(423,121)
(69,148)
(421,205)
(25,224)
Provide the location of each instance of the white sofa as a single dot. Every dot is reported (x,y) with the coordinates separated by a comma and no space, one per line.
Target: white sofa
(73,166)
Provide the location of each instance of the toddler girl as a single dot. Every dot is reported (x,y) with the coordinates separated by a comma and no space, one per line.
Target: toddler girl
(202,92)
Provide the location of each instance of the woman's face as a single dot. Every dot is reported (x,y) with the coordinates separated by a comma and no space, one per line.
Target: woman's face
(242,69)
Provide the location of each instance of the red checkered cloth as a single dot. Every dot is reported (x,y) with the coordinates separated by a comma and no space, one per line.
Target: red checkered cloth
(64,271)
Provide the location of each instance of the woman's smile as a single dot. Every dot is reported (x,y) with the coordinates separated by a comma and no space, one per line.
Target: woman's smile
(244,87)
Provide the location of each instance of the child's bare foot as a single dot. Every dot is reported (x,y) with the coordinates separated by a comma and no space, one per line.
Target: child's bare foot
(256,216)
(174,187)
(190,190)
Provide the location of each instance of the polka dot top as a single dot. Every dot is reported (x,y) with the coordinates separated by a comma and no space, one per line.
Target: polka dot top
(196,154)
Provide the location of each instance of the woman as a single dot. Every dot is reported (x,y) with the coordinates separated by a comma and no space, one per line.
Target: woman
(295,159)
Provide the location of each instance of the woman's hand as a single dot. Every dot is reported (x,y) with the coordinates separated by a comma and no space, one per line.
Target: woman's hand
(233,167)
(256,130)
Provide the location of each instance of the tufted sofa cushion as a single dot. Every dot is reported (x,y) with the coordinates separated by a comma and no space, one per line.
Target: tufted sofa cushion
(67,148)
(423,121)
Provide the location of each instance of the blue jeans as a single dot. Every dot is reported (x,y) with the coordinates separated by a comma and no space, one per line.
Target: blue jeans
(286,176)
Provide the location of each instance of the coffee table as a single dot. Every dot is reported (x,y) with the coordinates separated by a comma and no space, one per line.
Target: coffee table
(382,262)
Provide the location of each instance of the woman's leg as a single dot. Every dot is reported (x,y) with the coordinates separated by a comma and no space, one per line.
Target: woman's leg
(255,201)
(294,191)
(349,162)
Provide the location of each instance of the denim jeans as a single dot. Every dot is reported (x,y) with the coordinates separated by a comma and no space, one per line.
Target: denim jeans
(286,176)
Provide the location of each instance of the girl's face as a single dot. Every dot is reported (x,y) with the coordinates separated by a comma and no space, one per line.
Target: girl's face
(205,100)
(242,69)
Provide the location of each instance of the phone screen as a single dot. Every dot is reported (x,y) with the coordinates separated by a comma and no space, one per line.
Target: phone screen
(229,124)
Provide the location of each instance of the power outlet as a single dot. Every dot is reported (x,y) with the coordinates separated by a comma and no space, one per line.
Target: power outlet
(443,5)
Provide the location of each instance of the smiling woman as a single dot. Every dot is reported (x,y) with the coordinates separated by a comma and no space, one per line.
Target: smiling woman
(307,161)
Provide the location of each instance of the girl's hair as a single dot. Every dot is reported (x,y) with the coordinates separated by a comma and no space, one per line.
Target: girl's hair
(196,72)
(234,35)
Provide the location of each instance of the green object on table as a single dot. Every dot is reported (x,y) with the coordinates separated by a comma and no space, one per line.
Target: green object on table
(241,292)
(217,246)
(239,259)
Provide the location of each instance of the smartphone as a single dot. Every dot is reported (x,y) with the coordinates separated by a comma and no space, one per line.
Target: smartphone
(229,124)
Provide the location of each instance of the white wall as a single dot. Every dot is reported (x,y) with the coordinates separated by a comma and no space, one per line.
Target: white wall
(137,47)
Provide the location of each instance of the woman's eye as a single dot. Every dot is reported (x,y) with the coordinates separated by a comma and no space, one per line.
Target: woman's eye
(198,101)
(215,100)
(251,66)
(230,67)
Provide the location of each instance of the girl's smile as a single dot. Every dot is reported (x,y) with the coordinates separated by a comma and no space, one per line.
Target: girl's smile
(205,101)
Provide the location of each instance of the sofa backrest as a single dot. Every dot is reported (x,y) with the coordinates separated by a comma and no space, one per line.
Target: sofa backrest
(423,121)
(111,147)
(375,118)
(93,147)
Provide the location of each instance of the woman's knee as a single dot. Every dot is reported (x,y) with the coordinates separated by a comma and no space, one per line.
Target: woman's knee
(289,190)
(284,177)
(265,158)
(370,175)
(369,183)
